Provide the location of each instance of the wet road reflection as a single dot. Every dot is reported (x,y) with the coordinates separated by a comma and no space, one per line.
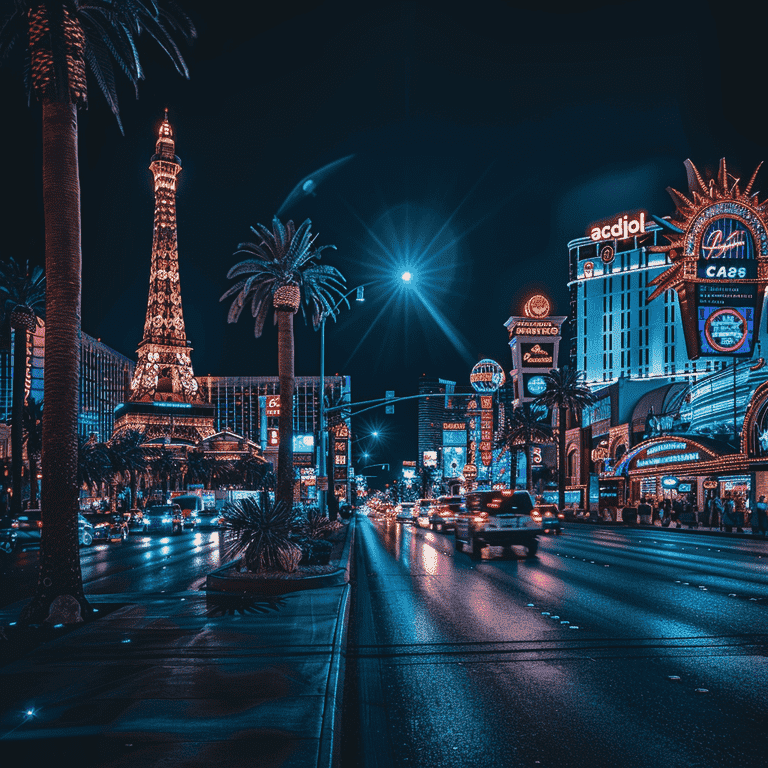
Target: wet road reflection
(140,564)
(609,648)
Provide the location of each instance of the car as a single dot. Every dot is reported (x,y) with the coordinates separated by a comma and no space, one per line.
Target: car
(162,518)
(549,516)
(442,516)
(497,518)
(422,511)
(405,512)
(84,531)
(101,525)
(28,526)
(8,536)
(191,507)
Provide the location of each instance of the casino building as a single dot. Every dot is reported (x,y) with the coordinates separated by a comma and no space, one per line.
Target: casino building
(669,336)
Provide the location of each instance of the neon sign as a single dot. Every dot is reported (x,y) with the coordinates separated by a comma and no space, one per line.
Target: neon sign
(622,228)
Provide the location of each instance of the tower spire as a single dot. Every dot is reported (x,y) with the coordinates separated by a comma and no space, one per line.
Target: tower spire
(164,369)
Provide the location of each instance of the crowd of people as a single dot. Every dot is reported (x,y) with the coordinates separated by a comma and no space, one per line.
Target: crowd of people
(729,513)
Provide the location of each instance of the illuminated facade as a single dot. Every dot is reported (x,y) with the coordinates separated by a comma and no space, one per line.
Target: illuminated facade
(164,399)
(104,379)
(243,404)
(618,331)
(668,319)
(442,428)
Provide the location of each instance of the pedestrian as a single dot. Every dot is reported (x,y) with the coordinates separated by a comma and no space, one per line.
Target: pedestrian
(645,512)
(760,518)
(706,514)
(716,520)
(740,504)
(688,514)
(655,512)
(677,511)
(729,514)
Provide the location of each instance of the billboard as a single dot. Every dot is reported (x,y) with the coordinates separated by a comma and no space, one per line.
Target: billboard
(718,250)
(303,443)
(454,459)
(537,355)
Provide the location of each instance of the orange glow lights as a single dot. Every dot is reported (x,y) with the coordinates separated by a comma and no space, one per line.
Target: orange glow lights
(537,306)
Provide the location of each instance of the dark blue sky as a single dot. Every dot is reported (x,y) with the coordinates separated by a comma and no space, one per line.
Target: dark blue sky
(488,134)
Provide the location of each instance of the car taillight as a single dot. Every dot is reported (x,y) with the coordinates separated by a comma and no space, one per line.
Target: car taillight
(14,524)
(39,523)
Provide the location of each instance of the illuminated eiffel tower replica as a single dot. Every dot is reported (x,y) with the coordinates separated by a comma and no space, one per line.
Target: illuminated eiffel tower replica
(165,401)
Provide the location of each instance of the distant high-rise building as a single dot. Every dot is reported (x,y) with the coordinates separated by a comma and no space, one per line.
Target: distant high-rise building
(165,400)
(104,378)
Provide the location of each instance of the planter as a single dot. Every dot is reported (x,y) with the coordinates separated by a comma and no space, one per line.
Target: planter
(230,579)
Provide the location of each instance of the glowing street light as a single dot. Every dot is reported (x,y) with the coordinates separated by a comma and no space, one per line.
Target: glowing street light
(406,277)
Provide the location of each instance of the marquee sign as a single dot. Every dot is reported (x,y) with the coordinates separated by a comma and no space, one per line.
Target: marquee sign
(534,341)
(537,355)
(659,453)
(718,246)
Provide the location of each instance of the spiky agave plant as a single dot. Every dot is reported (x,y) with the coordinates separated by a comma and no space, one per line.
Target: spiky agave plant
(260,532)
(319,526)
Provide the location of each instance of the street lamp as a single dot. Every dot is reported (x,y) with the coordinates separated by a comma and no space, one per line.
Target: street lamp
(322,463)
(322,459)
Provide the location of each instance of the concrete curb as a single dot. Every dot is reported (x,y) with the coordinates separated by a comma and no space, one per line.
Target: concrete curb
(330,741)
(218,581)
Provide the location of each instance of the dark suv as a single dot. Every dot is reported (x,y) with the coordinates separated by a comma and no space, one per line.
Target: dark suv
(498,518)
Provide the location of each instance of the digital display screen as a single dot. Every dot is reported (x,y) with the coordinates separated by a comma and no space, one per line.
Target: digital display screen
(454,459)
(455,437)
(539,355)
(726,330)
(534,385)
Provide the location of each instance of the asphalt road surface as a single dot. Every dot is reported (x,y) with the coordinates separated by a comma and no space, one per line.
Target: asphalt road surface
(142,563)
(609,648)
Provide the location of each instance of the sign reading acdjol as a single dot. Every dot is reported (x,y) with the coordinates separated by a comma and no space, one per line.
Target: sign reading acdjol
(620,229)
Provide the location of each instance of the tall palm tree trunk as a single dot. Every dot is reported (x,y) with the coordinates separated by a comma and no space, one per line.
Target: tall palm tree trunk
(561,413)
(33,467)
(285,371)
(17,409)
(60,574)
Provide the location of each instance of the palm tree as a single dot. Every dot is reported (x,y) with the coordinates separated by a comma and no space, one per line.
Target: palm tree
(281,264)
(166,468)
(523,429)
(131,458)
(93,464)
(198,468)
(33,432)
(567,393)
(22,293)
(251,471)
(56,38)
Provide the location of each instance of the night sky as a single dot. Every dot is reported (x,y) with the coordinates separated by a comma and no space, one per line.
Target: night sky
(484,137)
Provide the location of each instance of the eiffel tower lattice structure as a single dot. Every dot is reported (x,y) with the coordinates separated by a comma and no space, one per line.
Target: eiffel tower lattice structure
(164,400)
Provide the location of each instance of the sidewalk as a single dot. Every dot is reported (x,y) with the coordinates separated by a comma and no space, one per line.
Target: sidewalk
(184,680)
(746,534)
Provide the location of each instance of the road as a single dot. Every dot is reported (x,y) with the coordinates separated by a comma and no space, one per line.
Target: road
(609,648)
(140,564)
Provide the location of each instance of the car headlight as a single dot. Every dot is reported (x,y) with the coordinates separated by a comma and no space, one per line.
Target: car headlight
(166,519)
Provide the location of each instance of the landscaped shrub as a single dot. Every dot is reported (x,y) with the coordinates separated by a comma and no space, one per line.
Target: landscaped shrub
(315,551)
(317,526)
(260,531)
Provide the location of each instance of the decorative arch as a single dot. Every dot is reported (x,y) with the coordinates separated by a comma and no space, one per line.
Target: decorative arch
(756,424)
